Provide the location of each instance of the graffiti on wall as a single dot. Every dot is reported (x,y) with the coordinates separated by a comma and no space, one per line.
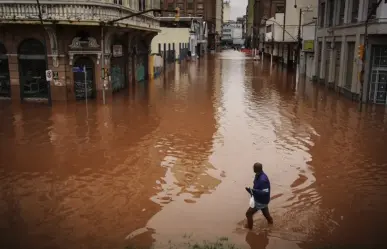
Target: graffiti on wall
(118,78)
(157,65)
(140,69)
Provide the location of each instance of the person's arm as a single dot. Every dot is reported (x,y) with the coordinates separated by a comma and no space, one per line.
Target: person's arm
(264,191)
(265,188)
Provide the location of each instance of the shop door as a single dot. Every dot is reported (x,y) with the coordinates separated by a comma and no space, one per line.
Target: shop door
(32,70)
(80,82)
(378,80)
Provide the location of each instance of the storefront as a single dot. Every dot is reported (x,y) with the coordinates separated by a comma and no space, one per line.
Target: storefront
(142,61)
(5,86)
(32,69)
(82,84)
(119,65)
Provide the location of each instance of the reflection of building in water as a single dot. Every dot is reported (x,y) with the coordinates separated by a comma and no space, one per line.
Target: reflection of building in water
(185,176)
(193,178)
(187,127)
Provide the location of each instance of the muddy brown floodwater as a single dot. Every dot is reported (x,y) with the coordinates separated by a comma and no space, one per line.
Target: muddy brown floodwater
(169,160)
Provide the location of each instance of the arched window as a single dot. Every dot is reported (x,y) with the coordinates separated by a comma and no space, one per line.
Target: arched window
(31,47)
(3,51)
(32,67)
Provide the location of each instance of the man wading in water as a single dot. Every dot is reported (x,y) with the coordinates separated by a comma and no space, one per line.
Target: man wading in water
(261,193)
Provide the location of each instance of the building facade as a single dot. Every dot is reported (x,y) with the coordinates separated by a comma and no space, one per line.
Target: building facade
(232,34)
(282,30)
(72,36)
(188,34)
(341,29)
(262,10)
(210,10)
(250,23)
(242,20)
(226,11)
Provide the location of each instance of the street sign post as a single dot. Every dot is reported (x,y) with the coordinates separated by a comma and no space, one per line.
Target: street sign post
(84,71)
(77,70)
(49,75)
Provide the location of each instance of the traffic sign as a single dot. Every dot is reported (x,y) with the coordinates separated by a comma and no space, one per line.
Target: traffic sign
(48,75)
(77,70)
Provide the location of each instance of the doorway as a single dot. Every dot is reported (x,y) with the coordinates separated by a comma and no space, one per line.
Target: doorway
(32,69)
(5,86)
(350,59)
(142,61)
(81,92)
(119,66)
(378,84)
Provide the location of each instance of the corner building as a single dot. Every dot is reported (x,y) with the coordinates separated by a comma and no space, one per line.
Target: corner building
(73,34)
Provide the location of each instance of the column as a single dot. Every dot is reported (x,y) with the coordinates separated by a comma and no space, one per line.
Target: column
(315,67)
(343,60)
(355,87)
(346,11)
(363,10)
(323,59)
(332,62)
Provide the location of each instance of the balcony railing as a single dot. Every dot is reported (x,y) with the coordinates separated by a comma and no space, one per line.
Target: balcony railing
(87,11)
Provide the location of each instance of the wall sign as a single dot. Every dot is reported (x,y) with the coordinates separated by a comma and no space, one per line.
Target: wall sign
(308,46)
(117,50)
(49,75)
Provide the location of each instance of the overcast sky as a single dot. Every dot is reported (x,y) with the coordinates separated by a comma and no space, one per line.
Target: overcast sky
(238,8)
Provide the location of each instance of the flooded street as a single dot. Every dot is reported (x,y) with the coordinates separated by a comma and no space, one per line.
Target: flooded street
(170,160)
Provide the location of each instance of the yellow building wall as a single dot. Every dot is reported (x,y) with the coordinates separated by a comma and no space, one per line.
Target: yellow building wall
(170,35)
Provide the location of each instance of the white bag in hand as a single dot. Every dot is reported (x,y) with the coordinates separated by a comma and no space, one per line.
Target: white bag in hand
(252,201)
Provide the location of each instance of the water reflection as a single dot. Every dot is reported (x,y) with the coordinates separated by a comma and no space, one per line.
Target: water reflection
(257,240)
(171,157)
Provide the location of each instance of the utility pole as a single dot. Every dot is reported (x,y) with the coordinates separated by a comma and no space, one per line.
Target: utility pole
(299,39)
(45,54)
(104,72)
(364,55)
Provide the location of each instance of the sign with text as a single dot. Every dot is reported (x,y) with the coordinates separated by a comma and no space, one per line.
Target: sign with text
(77,70)
(308,46)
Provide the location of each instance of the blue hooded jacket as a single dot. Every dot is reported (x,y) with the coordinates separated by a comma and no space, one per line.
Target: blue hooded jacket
(261,189)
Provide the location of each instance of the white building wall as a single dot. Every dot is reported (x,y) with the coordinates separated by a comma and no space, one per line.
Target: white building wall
(226,11)
(170,35)
(341,35)
(236,31)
